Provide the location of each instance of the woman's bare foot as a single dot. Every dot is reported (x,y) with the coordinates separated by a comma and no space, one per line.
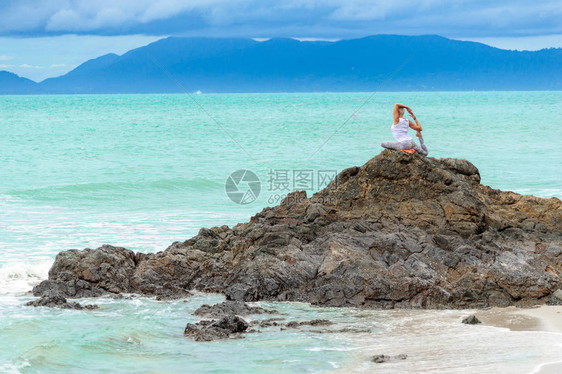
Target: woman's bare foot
(410,151)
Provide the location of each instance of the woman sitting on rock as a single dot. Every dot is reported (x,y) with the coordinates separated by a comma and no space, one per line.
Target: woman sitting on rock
(404,142)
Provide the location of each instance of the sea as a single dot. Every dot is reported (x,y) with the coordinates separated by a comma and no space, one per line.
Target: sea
(143,171)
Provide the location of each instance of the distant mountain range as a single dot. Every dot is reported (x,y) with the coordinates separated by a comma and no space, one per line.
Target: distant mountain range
(380,62)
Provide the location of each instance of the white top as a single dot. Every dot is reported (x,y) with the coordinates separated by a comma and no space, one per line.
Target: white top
(400,130)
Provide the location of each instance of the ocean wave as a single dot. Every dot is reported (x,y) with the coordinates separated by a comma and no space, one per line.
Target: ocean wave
(104,190)
(17,277)
(540,192)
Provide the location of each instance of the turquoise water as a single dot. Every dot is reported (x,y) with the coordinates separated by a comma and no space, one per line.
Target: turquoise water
(142,171)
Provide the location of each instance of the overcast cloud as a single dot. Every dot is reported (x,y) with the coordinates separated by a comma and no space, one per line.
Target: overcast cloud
(266,18)
(46,38)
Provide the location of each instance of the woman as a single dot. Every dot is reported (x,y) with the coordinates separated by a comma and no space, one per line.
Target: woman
(404,142)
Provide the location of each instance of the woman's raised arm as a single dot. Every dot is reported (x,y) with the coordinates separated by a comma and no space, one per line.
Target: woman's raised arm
(396,113)
(415,126)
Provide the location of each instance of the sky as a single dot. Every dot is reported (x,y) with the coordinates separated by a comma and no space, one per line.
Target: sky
(45,38)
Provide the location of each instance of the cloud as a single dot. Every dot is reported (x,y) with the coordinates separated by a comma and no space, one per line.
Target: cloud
(266,18)
(23,66)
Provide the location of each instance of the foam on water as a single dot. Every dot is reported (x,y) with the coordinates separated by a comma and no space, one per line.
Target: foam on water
(436,342)
(19,277)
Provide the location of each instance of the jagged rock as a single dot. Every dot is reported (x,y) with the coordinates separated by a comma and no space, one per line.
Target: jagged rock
(76,288)
(238,308)
(59,302)
(379,359)
(471,320)
(315,322)
(401,231)
(209,330)
(556,298)
(109,271)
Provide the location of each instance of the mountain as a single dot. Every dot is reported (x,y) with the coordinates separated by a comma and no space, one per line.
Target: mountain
(11,84)
(380,62)
(80,79)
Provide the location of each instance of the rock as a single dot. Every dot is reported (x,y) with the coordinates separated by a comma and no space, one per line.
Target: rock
(401,231)
(471,320)
(238,308)
(315,322)
(209,330)
(379,359)
(59,302)
(76,288)
(555,298)
(269,322)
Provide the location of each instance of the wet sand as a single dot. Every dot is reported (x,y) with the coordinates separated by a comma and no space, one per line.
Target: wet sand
(542,318)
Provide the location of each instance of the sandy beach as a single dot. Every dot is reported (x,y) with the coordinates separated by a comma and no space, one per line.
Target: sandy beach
(541,318)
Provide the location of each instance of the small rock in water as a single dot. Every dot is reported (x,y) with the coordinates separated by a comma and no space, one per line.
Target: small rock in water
(205,331)
(230,308)
(471,320)
(59,302)
(269,322)
(314,322)
(379,359)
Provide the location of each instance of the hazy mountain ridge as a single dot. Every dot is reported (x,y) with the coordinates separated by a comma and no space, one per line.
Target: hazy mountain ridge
(276,65)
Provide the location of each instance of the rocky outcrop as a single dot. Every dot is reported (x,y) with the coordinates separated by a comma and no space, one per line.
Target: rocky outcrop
(222,321)
(223,328)
(237,308)
(108,270)
(401,231)
(59,302)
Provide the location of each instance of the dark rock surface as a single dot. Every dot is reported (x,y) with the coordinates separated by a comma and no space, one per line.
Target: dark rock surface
(379,359)
(471,320)
(269,322)
(222,328)
(238,308)
(401,231)
(59,302)
(315,322)
(556,298)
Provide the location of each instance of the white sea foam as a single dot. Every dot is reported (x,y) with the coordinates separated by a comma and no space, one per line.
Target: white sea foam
(436,342)
(17,277)
(9,369)
(337,349)
(554,365)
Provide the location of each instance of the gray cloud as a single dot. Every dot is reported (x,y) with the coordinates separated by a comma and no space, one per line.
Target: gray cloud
(302,18)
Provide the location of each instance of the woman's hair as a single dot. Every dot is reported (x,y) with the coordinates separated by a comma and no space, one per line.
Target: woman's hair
(401,111)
